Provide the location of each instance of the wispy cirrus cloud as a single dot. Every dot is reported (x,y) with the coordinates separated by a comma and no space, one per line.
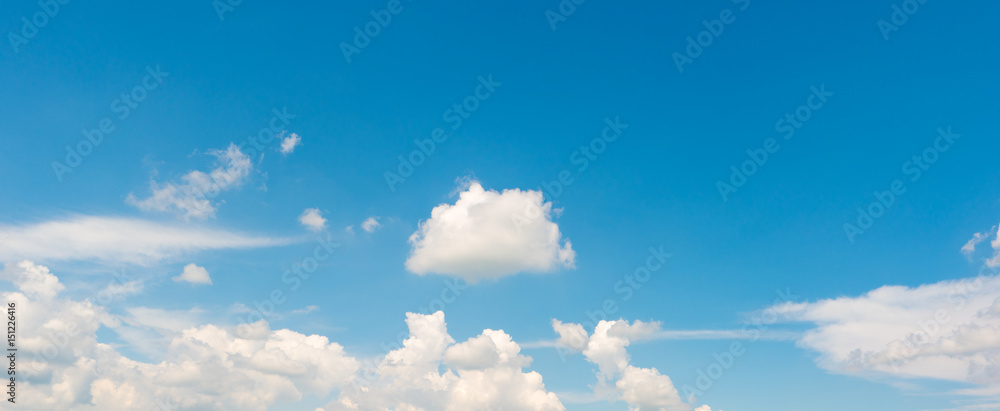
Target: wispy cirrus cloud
(118,240)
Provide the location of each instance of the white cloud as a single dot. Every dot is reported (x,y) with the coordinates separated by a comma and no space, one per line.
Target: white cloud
(34,280)
(643,389)
(970,246)
(488,234)
(573,335)
(192,197)
(201,367)
(949,330)
(121,289)
(371,224)
(482,373)
(194,274)
(211,367)
(308,309)
(289,143)
(117,240)
(312,219)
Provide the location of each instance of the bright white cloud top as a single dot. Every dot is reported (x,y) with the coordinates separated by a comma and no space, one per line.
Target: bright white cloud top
(118,240)
(488,235)
(617,379)
(312,219)
(482,373)
(195,275)
(192,197)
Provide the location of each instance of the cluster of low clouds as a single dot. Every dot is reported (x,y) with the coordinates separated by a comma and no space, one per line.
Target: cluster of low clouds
(207,366)
(947,331)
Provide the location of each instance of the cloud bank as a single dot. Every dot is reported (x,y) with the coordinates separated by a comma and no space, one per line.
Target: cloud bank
(210,366)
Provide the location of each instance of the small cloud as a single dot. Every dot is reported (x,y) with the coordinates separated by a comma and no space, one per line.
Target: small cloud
(312,219)
(349,229)
(192,197)
(289,143)
(194,274)
(371,224)
(970,247)
(306,310)
(240,308)
(121,290)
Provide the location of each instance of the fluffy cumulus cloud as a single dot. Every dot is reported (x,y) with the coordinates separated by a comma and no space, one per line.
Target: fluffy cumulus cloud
(289,143)
(431,372)
(949,330)
(191,198)
(117,240)
(643,389)
(194,274)
(203,367)
(312,219)
(209,366)
(490,234)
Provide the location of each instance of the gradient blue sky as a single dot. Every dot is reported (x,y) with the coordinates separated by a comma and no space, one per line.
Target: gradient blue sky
(655,185)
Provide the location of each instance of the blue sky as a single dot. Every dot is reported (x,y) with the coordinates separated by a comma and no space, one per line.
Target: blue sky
(541,89)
